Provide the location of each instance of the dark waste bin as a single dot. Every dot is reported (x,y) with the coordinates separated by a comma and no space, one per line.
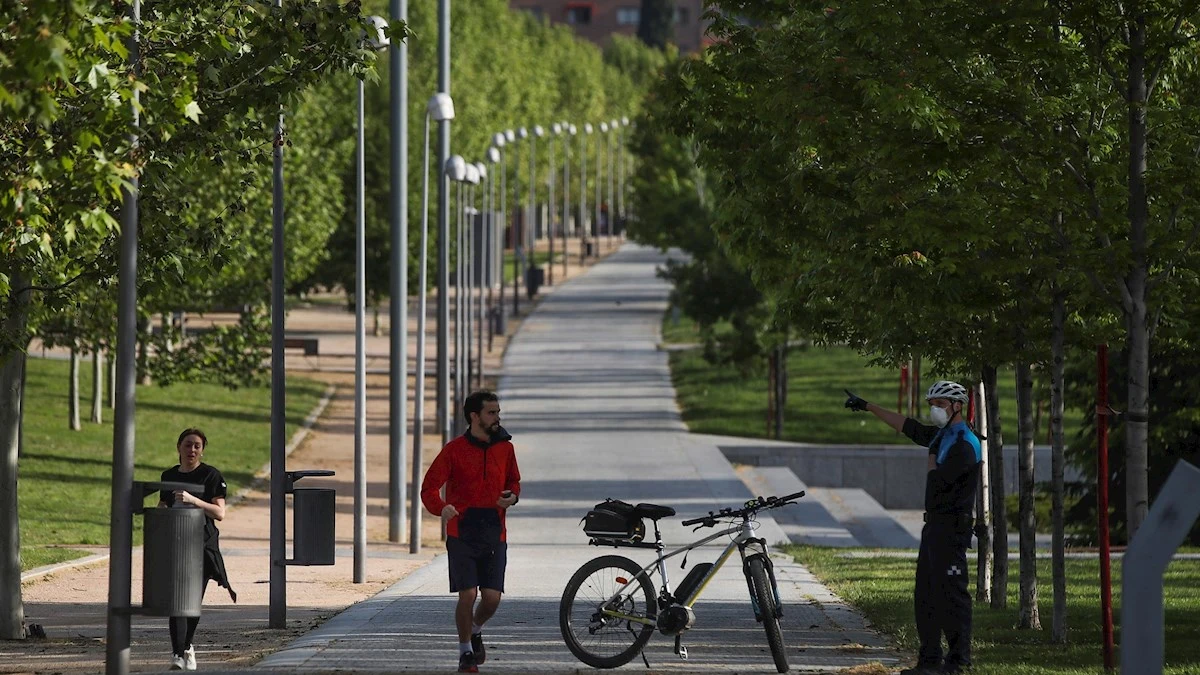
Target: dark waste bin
(585,249)
(498,321)
(173,561)
(313,511)
(534,278)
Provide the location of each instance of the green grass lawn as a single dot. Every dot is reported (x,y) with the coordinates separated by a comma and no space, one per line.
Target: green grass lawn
(882,589)
(723,400)
(66,476)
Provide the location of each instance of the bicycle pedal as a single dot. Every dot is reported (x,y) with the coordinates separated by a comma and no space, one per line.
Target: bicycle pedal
(680,649)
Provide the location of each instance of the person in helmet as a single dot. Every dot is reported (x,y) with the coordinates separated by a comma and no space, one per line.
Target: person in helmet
(941,597)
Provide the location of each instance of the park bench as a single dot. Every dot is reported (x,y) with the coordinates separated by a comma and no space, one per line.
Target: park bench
(308,344)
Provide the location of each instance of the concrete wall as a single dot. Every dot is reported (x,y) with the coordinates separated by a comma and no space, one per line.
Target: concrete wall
(893,474)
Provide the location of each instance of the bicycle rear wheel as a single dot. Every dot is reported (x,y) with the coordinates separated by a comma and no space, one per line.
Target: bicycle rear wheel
(594,637)
(765,597)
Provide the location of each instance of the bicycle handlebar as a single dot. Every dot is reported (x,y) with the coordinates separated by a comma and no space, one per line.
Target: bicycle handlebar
(753,506)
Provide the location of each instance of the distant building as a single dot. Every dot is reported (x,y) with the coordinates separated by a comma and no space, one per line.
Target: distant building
(596,20)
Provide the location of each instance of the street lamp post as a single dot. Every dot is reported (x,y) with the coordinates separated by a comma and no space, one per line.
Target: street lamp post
(612,202)
(443,335)
(440,108)
(531,231)
(622,153)
(587,227)
(377,41)
(519,237)
(600,180)
(496,245)
(551,205)
(478,270)
(570,129)
(456,172)
(398,286)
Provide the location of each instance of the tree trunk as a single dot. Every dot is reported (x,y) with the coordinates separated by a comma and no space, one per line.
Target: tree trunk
(144,335)
(1058,623)
(21,405)
(111,389)
(995,449)
(12,321)
(780,389)
(771,390)
(97,384)
(164,320)
(1137,488)
(73,392)
(983,512)
(1027,616)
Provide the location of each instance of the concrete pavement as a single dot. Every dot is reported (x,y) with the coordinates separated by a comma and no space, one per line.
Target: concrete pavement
(589,401)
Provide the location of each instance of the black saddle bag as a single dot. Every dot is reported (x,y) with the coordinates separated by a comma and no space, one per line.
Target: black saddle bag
(614,519)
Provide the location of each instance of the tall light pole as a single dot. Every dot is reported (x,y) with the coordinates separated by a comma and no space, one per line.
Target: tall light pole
(519,237)
(551,204)
(499,140)
(398,286)
(622,154)
(583,215)
(118,626)
(479,269)
(440,108)
(377,41)
(600,181)
(443,335)
(612,202)
(570,129)
(531,232)
(277,576)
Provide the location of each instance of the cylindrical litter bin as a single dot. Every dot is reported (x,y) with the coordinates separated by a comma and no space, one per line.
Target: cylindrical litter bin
(173,561)
(313,511)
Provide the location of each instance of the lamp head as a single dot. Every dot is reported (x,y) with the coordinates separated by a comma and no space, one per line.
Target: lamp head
(375,37)
(556,128)
(479,166)
(604,127)
(574,129)
(493,155)
(441,107)
(472,176)
(510,135)
(613,124)
(456,168)
(538,130)
(587,127)
(498,140)
(522,133)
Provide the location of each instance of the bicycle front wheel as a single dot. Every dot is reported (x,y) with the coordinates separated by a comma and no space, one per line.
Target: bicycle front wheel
(604,626)
(765,597)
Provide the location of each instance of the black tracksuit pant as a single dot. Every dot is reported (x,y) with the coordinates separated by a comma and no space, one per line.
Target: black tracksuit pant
(941,598)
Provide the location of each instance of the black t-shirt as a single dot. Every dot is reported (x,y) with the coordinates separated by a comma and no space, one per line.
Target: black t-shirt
(214,488)
(950,486)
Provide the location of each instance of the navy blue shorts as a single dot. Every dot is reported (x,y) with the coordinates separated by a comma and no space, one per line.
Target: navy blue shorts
(476,564)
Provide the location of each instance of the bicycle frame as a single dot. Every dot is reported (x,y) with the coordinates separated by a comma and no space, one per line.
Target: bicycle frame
(745,537)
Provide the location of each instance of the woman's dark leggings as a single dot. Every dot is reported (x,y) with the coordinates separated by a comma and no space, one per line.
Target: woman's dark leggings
(183,629)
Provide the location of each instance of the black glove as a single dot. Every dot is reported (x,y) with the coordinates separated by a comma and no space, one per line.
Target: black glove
(853,402)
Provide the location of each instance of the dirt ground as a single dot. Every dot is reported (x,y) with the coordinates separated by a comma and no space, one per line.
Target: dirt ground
(71,604)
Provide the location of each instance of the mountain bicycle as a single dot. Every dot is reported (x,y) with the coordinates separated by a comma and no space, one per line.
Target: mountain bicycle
(610,609)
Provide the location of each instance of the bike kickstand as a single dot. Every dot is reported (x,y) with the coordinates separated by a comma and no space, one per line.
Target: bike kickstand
(679,648)
(645,660)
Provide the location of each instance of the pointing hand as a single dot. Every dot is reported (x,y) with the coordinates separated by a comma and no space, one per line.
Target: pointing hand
(853,402)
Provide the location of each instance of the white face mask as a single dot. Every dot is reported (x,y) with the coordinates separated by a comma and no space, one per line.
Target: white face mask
(940,416)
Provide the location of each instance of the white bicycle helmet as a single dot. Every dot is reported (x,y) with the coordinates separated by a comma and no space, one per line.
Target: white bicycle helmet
(952,391)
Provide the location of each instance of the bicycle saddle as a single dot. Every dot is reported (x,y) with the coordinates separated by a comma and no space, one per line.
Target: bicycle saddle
(652,511)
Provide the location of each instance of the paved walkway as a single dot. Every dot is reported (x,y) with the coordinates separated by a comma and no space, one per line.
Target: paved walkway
(590,402)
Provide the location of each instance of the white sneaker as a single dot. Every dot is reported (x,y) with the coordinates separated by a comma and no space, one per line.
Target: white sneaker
(177,662)
(189,658)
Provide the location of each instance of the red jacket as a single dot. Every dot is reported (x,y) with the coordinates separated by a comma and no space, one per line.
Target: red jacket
(474,473)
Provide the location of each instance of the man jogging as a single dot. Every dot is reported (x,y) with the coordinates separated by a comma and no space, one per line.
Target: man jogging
(479,470)
(941,598)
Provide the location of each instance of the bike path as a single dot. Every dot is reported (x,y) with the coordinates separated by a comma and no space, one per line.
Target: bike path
(588,398)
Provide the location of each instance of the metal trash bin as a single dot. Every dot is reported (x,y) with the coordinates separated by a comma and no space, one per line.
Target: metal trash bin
(313,511)
(173,562)
(534,278)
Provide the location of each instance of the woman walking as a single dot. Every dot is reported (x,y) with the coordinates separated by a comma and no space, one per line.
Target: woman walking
(191,446)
